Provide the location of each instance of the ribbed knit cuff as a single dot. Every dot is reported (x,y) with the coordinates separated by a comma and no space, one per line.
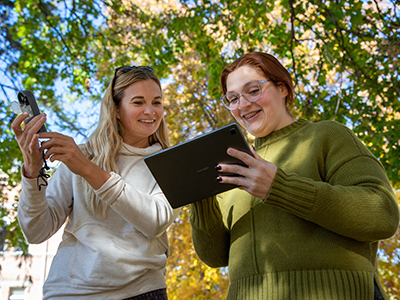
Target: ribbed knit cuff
(205,214)
(292,193)
(210,237)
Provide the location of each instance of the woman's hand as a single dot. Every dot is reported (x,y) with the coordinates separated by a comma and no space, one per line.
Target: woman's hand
(257,178)
(28,142)
(63,148)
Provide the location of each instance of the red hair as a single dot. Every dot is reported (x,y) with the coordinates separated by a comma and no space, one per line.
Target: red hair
(266,64)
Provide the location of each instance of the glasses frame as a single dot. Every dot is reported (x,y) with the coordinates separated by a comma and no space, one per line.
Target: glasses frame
(125,69)
(242,94)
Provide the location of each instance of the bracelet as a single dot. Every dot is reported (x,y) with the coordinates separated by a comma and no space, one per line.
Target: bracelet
(31,176)
(27,175)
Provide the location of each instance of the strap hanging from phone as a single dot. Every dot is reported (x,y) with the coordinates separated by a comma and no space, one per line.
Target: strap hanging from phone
(42,174)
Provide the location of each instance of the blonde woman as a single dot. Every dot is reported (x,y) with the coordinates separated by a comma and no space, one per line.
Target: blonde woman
(114,244)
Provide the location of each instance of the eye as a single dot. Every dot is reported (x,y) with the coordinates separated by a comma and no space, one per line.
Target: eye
(232,98)
(253,90)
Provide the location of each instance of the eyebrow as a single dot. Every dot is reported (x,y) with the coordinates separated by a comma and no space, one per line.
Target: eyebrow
(142,97)
(246,85)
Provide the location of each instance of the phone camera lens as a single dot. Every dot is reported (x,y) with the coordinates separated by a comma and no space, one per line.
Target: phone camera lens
(232,131)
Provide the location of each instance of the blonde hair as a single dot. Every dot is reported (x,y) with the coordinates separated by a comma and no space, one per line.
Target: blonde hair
(102,147)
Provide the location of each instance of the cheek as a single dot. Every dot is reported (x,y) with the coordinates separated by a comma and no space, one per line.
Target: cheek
(159,111)
(235,114)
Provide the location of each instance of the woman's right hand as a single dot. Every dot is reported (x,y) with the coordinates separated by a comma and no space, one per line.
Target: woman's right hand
(28,142)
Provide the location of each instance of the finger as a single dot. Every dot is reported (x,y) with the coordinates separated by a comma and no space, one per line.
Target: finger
(243,156)
(34,144)
(52,135)
(233,169)
(236,180)
(36,123)
(16,124)
(60,141)
(54,150)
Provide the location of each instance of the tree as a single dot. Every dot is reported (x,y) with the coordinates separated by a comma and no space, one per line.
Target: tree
(389,267)
(187,277)
(343,56)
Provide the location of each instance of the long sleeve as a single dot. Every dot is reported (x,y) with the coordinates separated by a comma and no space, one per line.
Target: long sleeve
(150,213)
(42,213)
(345,190)
(210,236)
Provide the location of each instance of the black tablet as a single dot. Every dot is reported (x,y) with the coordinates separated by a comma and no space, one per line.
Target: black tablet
(186,172)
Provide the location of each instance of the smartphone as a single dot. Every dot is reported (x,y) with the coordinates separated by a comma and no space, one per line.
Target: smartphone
(27,103)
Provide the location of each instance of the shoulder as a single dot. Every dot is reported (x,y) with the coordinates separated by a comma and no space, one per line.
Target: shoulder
(327,125)
(338,135)
(330,129)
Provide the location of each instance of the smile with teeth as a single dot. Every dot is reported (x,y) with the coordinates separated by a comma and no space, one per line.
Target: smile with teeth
(147,121)
(250,115)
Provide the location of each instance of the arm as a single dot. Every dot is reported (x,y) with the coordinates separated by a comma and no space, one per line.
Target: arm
(210,237)
(357,201)
(38,216)
(340,186)
(150,213)
(42,213)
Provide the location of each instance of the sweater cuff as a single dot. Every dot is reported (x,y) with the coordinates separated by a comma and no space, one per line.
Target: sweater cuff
(205,214)
(292,193)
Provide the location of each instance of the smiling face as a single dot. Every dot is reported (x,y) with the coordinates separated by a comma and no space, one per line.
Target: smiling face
(267,114)
(140,112)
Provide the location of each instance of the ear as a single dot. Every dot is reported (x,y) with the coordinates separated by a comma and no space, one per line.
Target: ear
(118,117)
(282,88)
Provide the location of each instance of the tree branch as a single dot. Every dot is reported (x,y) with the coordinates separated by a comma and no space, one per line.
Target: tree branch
(292,39)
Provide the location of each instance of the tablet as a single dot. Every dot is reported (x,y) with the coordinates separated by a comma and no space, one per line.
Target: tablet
(186,172)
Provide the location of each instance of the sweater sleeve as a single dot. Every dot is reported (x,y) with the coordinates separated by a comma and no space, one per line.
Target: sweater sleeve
(42,213)
(151,213)
(210,237)
(353,199)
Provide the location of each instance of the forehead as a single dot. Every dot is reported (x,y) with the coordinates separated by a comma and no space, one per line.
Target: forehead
(237,79)
(145,88)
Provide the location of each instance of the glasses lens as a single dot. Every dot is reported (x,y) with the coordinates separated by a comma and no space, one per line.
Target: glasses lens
(231,100)
(252,92)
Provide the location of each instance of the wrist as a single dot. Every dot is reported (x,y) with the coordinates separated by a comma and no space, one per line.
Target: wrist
(29,174)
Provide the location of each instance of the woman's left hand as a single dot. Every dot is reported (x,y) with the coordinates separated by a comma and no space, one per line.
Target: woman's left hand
(257,178)
(63,148)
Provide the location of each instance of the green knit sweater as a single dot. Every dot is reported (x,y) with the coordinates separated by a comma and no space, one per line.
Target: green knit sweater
(316,234)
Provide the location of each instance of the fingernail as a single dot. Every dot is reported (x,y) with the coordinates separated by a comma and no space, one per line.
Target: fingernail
(218,179)
(218,167)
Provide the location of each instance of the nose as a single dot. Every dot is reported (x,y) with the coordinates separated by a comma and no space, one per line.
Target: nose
(243,103)
(149,110)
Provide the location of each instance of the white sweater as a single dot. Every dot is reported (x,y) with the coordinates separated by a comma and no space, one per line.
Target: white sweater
(121,256)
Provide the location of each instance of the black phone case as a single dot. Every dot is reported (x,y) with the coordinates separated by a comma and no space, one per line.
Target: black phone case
(28,99)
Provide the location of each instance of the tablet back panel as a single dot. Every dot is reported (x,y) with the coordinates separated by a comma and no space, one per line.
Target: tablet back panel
(186,172)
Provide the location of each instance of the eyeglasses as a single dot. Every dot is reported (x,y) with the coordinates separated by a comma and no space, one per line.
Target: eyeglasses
(127,69)
(252,92)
